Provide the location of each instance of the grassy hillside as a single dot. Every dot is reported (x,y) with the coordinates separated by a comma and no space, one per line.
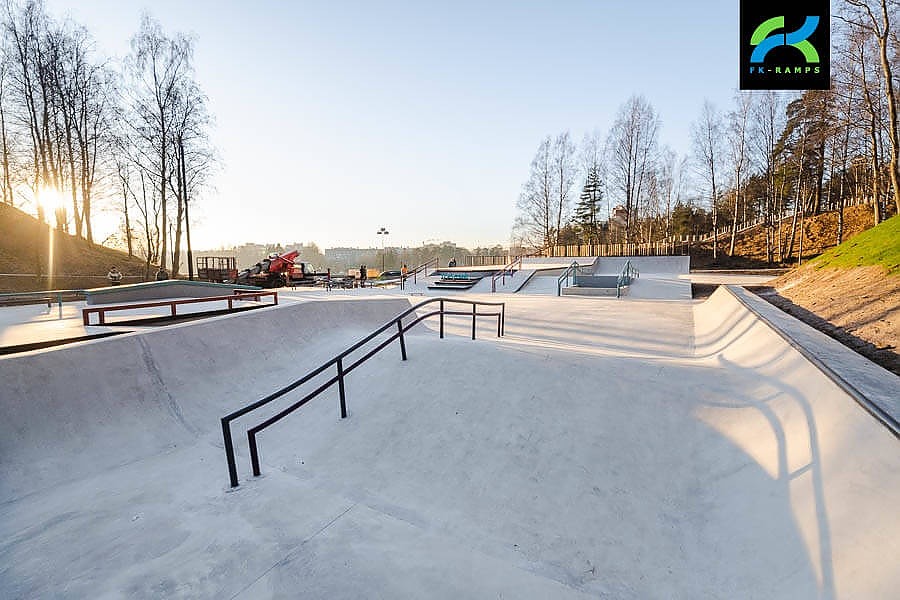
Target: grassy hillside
(852,293)
(879,246)
(25,257)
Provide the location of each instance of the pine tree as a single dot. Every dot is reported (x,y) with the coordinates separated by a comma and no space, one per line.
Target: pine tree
(588,206)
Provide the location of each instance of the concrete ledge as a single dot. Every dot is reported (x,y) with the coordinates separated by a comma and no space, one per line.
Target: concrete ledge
(876,389)
(157,290)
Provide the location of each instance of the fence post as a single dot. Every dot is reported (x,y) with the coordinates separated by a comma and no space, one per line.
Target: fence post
(340,369)
(474,308)
(442,319)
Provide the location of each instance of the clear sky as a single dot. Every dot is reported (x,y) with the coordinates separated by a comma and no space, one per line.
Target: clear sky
(336,118)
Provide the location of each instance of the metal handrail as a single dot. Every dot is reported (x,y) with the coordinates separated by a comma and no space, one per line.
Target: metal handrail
(507,270)
(569,272)
(423,267)
(342,371)
(629,272)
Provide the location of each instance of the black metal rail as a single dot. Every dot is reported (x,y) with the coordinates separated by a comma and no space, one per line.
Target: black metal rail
(343,370)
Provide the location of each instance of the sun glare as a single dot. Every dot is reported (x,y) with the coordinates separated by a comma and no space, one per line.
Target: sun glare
(51,199)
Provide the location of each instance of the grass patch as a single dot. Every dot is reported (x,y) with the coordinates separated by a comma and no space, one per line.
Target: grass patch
(877,246)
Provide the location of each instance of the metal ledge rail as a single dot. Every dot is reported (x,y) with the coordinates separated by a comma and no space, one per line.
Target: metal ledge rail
(628,273)
(173,304)
(508,271)
(344,370)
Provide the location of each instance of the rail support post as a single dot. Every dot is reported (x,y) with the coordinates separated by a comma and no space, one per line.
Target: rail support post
(341,391)
(229,453)
(474,315)
(442,319)
(402,341)
(254,452)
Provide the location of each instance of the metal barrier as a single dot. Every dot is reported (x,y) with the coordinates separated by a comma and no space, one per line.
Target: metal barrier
(343,370)
(172,304)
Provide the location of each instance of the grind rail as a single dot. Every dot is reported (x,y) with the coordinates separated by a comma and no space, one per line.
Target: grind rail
(508,271)
(101,311)
(343,370)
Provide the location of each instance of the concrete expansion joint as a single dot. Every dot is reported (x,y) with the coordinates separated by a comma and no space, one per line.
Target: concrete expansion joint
(292,553)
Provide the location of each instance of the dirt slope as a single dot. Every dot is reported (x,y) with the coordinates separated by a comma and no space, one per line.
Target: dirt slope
(859,306)
(24,257)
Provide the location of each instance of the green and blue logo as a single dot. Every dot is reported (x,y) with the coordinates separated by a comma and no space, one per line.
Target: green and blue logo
(785,46)
(764,40)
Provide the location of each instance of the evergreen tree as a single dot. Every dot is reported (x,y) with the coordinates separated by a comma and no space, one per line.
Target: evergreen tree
(587,208)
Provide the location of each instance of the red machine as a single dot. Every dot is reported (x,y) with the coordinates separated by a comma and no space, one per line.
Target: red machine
(278,270)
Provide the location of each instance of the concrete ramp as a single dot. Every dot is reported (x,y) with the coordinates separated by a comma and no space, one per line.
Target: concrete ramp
(81,409)
(670,265)
(598,450)
(838,467)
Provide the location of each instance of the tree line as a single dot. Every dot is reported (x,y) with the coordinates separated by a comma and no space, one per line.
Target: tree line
(772,157)
(80,132)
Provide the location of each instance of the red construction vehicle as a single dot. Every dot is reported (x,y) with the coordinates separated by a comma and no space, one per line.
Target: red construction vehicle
(278,270)
(216,269)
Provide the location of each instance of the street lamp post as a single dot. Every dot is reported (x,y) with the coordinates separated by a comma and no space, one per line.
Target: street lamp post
(384,233)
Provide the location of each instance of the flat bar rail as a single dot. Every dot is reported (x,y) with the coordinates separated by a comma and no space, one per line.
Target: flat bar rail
(342,370)
(48,296)
(172,304)
(508,270)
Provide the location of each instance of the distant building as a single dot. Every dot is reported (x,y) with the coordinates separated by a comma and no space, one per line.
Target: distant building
(349,256)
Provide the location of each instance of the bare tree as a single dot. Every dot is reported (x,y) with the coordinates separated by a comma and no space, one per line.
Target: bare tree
(738,129)
(564,172)
(706,135)
(534,222)
(874,17)
(159,68)
(632,149)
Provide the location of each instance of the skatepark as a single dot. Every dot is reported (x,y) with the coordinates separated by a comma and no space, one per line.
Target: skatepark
(636,447)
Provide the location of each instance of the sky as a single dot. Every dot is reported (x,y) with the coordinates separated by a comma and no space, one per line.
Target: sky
(334,119)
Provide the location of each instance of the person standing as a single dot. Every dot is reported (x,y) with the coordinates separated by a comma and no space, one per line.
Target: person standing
(404,271)
(362,276)
(162,274)
(114,276)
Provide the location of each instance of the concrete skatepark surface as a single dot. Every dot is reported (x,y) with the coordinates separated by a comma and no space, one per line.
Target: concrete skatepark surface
(603,448)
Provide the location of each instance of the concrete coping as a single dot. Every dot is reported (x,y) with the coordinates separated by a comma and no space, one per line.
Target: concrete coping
(875,389)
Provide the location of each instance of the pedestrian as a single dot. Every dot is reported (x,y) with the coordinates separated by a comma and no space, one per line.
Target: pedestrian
(162,274)
(362,276)
(452,262)
(114,276)
(404,271)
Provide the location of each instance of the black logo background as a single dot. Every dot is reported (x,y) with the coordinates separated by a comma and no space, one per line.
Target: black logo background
(753,13)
